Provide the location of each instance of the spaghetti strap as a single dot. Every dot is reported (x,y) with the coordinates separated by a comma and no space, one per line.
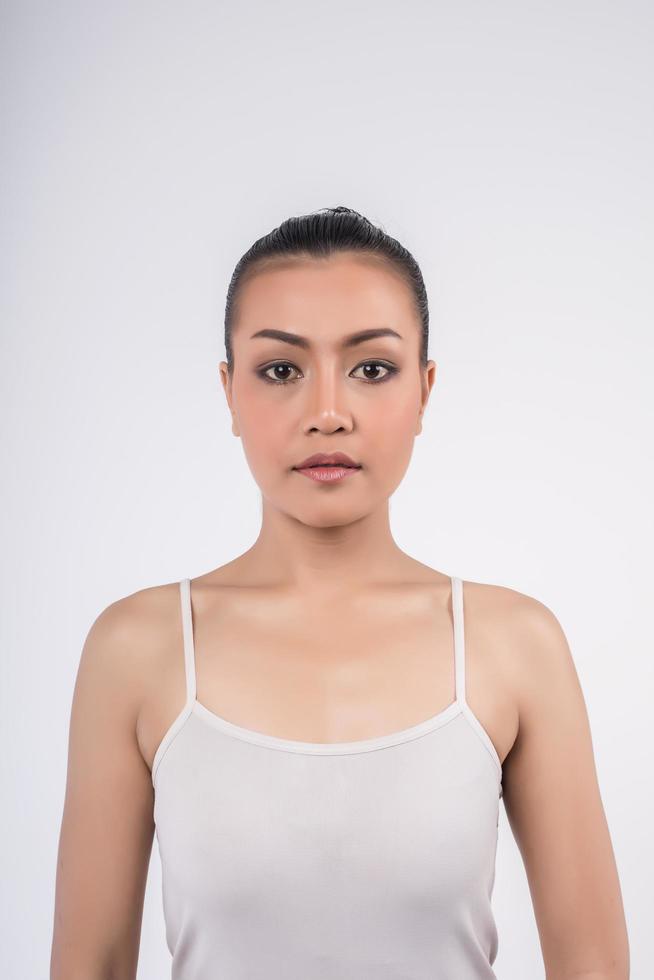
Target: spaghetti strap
(459,640)
(189,663)
(189,646)
(460,671)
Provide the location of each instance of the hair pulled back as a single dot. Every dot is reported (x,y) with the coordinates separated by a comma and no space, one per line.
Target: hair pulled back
(319,235)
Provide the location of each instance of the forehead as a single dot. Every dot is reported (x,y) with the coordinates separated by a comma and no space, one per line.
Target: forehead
(344,290)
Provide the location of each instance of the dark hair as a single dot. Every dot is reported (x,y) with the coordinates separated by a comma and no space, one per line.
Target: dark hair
(318,235)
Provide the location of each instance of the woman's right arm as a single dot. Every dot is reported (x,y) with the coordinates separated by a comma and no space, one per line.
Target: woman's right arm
(107,826)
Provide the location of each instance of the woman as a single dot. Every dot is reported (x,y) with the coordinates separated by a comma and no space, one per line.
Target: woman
(321,730)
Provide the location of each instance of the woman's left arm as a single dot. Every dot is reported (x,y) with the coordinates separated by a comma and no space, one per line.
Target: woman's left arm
(554,807)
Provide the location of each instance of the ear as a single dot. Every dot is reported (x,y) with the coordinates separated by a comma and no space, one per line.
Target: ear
(226,382)
(428,379)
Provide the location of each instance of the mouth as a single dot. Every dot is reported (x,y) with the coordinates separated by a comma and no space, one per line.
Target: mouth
(328,467)
(327,474)
(323,460)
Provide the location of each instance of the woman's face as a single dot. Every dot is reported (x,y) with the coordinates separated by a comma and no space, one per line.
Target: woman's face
(304,333)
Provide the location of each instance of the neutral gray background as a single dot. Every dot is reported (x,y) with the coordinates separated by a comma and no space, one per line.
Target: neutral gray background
(145,147)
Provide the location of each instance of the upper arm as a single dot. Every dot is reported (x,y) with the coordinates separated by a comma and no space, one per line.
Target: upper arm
(107,825)
(555,811)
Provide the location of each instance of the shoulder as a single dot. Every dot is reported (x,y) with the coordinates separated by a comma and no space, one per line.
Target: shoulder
(127,639)
(530,644)
(135,620)
(520,625)
(528,622)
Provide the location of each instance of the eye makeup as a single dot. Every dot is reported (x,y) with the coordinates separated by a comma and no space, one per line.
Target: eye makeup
(390,369)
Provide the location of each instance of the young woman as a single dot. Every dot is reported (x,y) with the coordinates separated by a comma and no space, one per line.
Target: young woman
(321,730)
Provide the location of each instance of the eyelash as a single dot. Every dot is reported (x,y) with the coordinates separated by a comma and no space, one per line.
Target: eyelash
(390,368)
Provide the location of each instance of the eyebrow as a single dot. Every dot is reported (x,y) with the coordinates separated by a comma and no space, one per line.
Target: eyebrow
(350,341)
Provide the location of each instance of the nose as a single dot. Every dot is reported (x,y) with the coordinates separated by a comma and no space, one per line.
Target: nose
(327,407)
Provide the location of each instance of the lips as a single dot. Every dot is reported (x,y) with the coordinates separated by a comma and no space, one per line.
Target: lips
(327,459)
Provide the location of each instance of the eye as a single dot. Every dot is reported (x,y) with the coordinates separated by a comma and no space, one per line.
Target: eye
(286,366)
(279,366)
(375,365)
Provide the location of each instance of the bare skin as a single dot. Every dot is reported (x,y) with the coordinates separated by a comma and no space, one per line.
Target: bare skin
(325,631)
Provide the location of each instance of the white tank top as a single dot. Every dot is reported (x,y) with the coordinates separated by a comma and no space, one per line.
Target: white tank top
(365,860)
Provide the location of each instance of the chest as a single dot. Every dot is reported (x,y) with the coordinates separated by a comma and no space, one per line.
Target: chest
(325,673)
(242,825)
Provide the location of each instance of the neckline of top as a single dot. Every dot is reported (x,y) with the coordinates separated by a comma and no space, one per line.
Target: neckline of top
(326,748)
(456,707)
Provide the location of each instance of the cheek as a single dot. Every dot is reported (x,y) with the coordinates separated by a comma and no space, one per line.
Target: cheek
(261,429)
(264,435)
(392,430)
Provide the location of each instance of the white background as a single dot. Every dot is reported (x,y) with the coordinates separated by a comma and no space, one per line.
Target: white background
(509,146)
